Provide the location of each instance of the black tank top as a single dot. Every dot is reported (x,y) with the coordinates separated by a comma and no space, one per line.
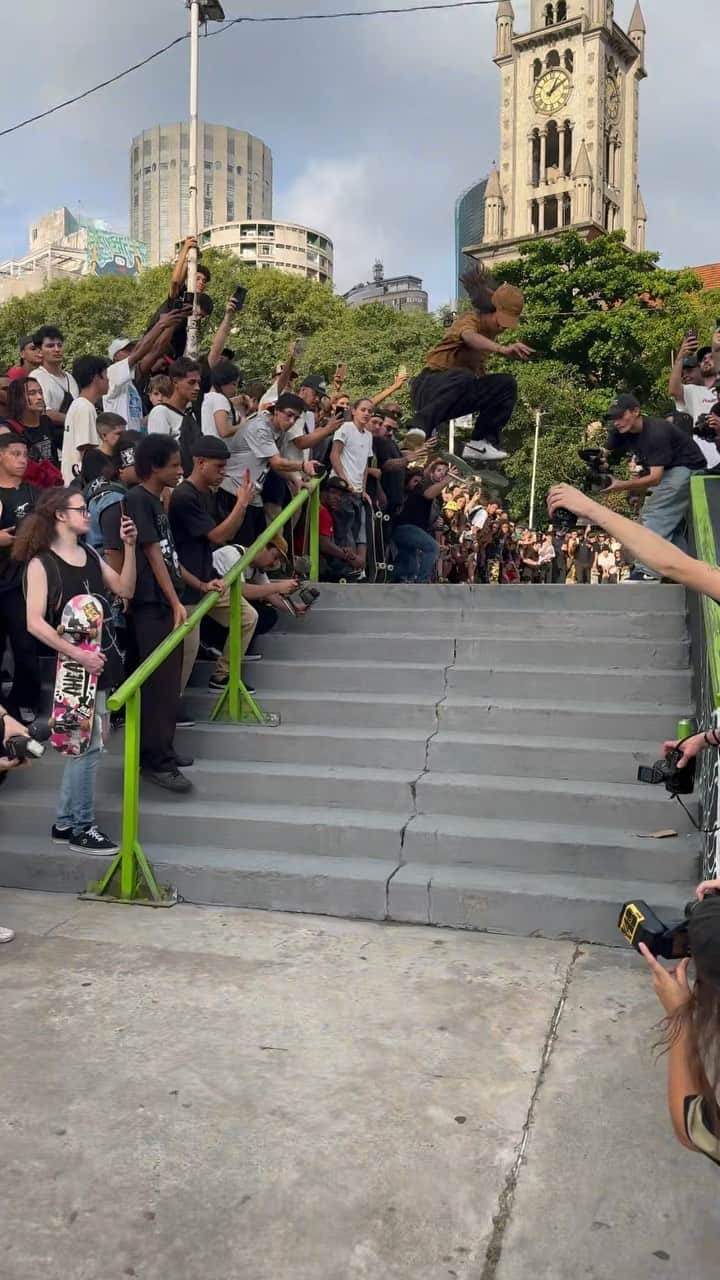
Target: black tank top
(68,580)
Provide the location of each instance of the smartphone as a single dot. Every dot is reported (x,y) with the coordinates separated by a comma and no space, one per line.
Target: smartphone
(239,296)
(691,336)
(123,510)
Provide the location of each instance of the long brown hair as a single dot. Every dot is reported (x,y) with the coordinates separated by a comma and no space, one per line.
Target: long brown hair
(38,530)
(699,1019)
(17,398)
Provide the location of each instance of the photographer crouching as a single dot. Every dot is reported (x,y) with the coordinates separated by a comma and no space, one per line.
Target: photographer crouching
(692,1027)
(669,457)
(12,756)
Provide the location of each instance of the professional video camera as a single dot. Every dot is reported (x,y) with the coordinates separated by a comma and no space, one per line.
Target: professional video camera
(702,426)
(19,747)
(639,923)
(677,782)
(596,480)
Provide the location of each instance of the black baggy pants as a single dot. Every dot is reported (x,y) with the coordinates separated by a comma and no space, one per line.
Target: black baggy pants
(160,696)
(442,394)
(25,691)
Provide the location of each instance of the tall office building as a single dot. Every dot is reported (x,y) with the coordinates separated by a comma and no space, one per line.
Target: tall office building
(469,227)
(234,182)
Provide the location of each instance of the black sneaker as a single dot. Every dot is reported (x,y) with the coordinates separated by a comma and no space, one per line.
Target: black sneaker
(93,841)
(220,683)
(61,835)
(637,575)
(184,720)
(169,779)
(184,762)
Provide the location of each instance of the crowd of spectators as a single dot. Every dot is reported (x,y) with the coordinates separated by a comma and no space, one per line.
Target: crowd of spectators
(157,467)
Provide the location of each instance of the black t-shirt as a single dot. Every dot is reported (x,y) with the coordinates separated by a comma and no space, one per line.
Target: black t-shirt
(192,517)
(153,526)
(393,482)
(42,440)
(584,555)
(417,510)
(16,505)
(659,444)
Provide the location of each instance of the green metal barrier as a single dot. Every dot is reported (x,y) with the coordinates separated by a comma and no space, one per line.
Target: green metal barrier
(705,642)
(130,877)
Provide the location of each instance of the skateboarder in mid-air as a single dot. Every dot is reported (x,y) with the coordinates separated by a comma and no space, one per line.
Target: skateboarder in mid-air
(454,381)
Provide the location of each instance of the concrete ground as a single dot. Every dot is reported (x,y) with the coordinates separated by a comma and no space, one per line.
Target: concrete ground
(214,1095)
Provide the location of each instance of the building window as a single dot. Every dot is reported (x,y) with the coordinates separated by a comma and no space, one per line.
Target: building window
(535,158)
(549,15)
(218,164)
(553,59)
(208,166)
(147,148)
(537,69)
(569,60)
(238,168)
(566,209)
(561,11)
(552,147)
(173,164)
(551,213)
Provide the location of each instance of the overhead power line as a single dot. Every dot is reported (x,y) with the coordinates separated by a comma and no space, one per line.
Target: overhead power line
(234,22)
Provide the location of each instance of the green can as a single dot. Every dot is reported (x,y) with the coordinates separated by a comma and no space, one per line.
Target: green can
(684,729)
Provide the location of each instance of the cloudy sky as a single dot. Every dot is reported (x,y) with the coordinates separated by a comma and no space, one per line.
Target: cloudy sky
(375,124)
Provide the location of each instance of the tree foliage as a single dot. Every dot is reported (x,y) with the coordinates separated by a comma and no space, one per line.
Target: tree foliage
(602,320)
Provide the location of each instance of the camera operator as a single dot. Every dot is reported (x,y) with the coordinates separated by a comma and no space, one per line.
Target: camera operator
(692,1028)
(10,729)
(693,387)
(669,459)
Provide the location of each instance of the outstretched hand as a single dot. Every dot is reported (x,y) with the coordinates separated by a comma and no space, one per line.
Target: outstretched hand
(690,748)
(566,495)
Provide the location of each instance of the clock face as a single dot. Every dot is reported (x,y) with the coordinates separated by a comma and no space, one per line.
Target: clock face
(552,91)
(612,98)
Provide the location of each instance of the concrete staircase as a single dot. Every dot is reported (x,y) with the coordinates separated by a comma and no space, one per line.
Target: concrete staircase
(447,755)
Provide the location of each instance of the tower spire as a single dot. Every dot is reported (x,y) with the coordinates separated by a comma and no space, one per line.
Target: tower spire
(504,20)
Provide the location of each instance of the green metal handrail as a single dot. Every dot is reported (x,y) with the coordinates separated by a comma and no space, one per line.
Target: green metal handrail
(130,875)
(706,549)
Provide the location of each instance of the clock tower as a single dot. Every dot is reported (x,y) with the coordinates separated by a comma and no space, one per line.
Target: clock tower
(568,127)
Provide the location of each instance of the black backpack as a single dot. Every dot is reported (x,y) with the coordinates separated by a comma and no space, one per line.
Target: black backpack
(190,434)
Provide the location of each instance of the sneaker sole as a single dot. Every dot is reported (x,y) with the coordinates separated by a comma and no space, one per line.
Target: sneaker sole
(95,853)
(57,840)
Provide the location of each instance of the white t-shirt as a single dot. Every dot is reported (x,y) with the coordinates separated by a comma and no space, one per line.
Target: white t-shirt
(123,396)
(55,387)
(696,401)
(258,443)
(80,429)
(212,403)
(304,425)
(356,451)
(164,420)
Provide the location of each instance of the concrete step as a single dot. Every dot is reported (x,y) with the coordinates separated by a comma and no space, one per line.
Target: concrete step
(318,831)
(400,648)
(630,807)
(339,711)
(311,744)
(576,906)
(261,878)
(596,652)
(652,721)
(469,623)
(519,755)
(645,597)
(333,676)
(445,840)
(577,686)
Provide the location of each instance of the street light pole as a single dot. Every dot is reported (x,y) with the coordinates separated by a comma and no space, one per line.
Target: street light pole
(538,420)
(200,11)
(192,336)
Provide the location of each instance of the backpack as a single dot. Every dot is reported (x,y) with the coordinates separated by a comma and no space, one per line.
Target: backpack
(190,434)
(97,502)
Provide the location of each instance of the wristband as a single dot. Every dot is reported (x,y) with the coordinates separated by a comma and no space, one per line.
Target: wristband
(708,742)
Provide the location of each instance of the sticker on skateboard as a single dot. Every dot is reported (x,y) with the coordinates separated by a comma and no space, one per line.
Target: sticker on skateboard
(75,688)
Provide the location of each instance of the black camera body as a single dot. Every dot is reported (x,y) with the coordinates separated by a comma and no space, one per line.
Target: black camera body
(598,477)
(702,426)
(639,923)
(18,747)
(677,782)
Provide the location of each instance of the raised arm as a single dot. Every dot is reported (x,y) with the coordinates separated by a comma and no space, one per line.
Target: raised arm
(179,274)
(219,342)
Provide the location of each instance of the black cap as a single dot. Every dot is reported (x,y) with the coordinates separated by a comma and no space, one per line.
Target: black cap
(211,447)
(702,352)
(704,937)
(620,405)
(316,382)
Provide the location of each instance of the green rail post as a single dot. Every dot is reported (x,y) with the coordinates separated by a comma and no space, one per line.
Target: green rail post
(130,877)
(313,515)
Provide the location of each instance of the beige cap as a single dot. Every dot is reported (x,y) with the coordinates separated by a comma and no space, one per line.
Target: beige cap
(509,303)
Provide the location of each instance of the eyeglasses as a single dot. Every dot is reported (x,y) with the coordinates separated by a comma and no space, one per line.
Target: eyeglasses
(83,511)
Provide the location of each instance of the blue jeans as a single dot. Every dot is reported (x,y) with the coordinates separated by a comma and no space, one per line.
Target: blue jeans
(411,543)
(76,803)
(665,509)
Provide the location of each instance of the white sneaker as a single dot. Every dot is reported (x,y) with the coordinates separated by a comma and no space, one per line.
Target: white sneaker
(6,935)
(482,451)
